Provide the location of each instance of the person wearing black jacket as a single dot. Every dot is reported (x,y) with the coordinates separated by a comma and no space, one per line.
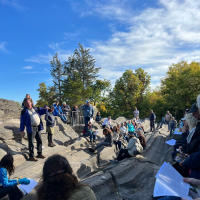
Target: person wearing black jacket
(50,123)
(152,119)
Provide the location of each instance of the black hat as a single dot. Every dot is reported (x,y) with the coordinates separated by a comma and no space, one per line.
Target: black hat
(193,108)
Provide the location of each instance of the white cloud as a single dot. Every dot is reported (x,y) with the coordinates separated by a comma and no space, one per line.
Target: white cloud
(13,3)
(3,47)
(28,67)
(40,59)
(156,38)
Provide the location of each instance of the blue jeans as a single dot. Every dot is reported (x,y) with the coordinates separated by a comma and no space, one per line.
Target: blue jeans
(92,136)
(63,117)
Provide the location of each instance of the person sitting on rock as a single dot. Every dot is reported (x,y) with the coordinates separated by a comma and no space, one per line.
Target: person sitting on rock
(58,112)
(116,138)
(107,123)
(50,123)
(9,186)
(134,147)
(98,117)
(124,131)
(59,182)
(66,111)
(131,128)
(91,133)
(106,143)
(30,118)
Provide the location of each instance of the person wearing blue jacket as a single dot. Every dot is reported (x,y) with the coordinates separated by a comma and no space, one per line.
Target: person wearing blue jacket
(58,112)
(30,118)
(9,186)
(88,112)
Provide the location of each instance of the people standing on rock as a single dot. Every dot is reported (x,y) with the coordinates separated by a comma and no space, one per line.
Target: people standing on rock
(9,186)
(58,112)
(107,123)
(98,117)
(167,118)
(106,143)
(88,112)
(75,115)
(136,113)
(30,118)
(59,182)
(50,123)
(172,125)
(152,119)
(27,97)
(134,147)
(66,111)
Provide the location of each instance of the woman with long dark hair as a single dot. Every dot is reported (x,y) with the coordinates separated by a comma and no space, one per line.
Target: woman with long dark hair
(59,182)
(9,186)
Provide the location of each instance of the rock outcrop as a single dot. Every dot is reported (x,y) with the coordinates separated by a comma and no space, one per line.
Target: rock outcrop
(128,179)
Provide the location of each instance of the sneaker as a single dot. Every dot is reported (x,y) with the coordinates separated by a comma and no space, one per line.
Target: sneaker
(40,156)
(32,159)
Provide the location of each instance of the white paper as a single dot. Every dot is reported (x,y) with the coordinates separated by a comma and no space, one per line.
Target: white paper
(177,132)
(170,183)
(28,188)
(171,142)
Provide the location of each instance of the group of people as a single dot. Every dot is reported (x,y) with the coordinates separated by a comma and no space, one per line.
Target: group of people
(58,182)
(186,152)
(128,138)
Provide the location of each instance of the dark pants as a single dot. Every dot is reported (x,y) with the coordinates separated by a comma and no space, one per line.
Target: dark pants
(86,119)
(118,144)
(152,125)
(37,135)
(13,192)
(123,153)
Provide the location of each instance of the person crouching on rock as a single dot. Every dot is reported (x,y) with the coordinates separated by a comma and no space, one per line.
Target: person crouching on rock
(30,118)
(50,123)
(134,147)
(9,186)
(59,182)
(106,143)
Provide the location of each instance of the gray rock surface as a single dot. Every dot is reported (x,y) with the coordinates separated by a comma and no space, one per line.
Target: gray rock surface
(128,179)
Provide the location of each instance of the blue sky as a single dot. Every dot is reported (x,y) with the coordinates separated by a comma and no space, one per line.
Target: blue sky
(122,34)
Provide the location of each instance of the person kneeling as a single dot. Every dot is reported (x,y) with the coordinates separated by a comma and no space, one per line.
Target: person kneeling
(9,186)
(134,147)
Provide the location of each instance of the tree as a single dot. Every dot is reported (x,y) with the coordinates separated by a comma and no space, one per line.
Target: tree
(57,72)
(43,99)
(99,90)
(83,63)
(46,95)
(127,92)
(181,86)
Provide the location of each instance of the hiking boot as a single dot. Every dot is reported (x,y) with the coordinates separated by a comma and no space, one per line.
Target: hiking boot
(51,145)
(40,156)
(32,159)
